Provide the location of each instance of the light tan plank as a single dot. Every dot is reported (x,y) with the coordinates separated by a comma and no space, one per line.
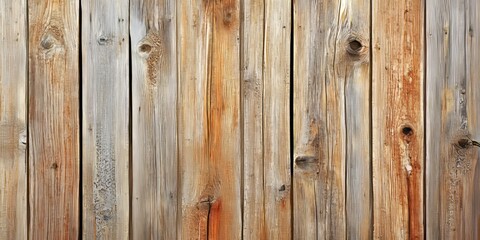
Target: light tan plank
(105,141)
(266,89)
(13,113)
(209,119)
(332,190)
(453,120)
(398,130)
(53,119)
(253,25)
(154,116)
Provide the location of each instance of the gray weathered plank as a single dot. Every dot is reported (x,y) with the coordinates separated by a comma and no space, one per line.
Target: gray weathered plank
(154,116)
(53,119)
(209,119)
(452,120)
(332,190)
(105,113)
(398,119)
(13,113)
(266,101)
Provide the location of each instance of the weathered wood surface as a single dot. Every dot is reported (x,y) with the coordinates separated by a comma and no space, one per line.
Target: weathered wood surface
(332,188)
(209,119)
(398,119)
(13,124)
(105,119)
(266,29)
(452,120)
(53,119)
(154,116)
(252,45)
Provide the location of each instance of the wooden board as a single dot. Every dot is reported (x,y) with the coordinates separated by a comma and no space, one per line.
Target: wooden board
(332,189)
(452,120)
(53,119)
(154,116)
(105,119)
(265,68)
(13,124)
(209,119)
(398,116)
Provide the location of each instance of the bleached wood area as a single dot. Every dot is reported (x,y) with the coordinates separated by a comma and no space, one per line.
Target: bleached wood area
(239,119)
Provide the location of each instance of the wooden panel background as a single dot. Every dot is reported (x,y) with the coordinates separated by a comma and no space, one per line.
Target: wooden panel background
(239,119)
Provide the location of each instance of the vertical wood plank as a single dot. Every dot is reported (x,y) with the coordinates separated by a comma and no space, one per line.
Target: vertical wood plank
(332,189)
(154,116)
(53,119)
(105,97)
(252,44)
(209,119)
(266,91)
(398,132)
(13,128)
(453,173)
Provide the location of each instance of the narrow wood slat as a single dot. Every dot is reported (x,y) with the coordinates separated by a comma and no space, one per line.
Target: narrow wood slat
(154,116)
(398,128)
(252,43)
(266,99)
(13,113)
(332,189)
(453,120)
(105,113)
(209,119)
(53,119)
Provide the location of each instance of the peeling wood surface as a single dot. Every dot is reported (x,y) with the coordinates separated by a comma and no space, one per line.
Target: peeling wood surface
(13,124)
(209,119)
(53,118)
(105,119)
(332,189)
(154,116)
(453,120)
(266,31)
(398,115)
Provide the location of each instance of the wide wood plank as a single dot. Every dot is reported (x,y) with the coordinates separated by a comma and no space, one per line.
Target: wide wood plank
(453,120)
(53,119)
(209,119)
(398,128)
(332,189)
(266,99)
(105,113)
(154,116)
(13,113)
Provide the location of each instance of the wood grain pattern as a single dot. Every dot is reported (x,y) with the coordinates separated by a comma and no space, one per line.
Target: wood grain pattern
(53,119)
(398,130)
(452,120)
(105,126)
(154,113)
(266,93)
(332,190)
(252,45)
(13,124)
(209,119)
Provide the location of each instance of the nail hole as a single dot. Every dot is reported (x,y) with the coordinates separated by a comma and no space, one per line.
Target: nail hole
(282,188)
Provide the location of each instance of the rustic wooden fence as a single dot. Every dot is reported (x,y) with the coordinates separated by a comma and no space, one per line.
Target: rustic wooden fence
(239,119)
